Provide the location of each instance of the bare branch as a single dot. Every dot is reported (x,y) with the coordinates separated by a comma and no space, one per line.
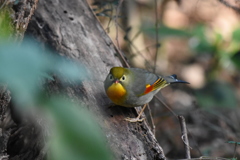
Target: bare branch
(185,136)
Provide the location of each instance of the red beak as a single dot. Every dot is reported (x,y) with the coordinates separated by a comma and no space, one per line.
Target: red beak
(117,81)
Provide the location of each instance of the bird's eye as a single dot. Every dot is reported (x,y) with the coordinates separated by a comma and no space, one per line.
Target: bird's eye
(110,77)
(123,78)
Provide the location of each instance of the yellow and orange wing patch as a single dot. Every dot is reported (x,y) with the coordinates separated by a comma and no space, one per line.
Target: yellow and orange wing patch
(160,83)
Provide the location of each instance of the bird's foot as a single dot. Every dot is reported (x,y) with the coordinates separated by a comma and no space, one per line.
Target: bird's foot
(134,119)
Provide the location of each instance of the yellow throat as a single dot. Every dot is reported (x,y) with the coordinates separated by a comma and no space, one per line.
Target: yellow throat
(117,93)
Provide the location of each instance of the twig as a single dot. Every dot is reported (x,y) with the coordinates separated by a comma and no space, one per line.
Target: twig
(184,136)
(157,41)
(110,20)
(166,106)
(194,142)
(226,3)
(136,35)
(3,4)
(140,52)
(151,117)
(235,148)
(116,24)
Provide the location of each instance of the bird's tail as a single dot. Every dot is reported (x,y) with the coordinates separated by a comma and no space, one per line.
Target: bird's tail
(173,79)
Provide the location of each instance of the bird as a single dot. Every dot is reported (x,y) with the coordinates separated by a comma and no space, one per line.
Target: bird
(133,87)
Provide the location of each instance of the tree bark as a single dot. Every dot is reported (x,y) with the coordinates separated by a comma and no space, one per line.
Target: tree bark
(21,13)
(71,28)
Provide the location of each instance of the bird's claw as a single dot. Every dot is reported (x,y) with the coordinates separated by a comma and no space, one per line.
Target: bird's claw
(134,119)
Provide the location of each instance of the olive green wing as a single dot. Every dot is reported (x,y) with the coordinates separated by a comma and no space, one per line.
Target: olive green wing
(145,82)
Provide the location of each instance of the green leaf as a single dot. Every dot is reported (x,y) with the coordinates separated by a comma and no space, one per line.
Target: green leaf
(231,142)
(165,31)
(204,46)
(6,25)
(199,31)
(217,94)
(76,135)
(68,70)
(236,60)
(24,66)
(199,41)
(236,35)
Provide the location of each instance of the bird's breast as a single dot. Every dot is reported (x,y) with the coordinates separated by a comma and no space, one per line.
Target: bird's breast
(117,93)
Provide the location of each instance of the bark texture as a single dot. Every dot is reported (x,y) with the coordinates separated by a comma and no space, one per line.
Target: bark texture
(24,10)
(71,28)
(18,140)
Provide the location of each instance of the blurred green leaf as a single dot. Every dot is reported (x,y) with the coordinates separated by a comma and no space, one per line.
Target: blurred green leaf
(16,2)
(199,41)
(165,31)
(6,25)
(199,31)
(203,46)
(217,94)
(233,142)
(236,60)
(218,38)
(76,135)
(236,35)
(23,66)
(67,69)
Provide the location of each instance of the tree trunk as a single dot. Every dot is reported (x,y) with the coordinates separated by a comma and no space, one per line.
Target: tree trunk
(71,28)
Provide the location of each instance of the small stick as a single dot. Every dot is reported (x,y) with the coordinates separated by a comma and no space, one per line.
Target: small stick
(184,136)
(116,22)
(151,117)
(165,105)
(235,148)
(157,40)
